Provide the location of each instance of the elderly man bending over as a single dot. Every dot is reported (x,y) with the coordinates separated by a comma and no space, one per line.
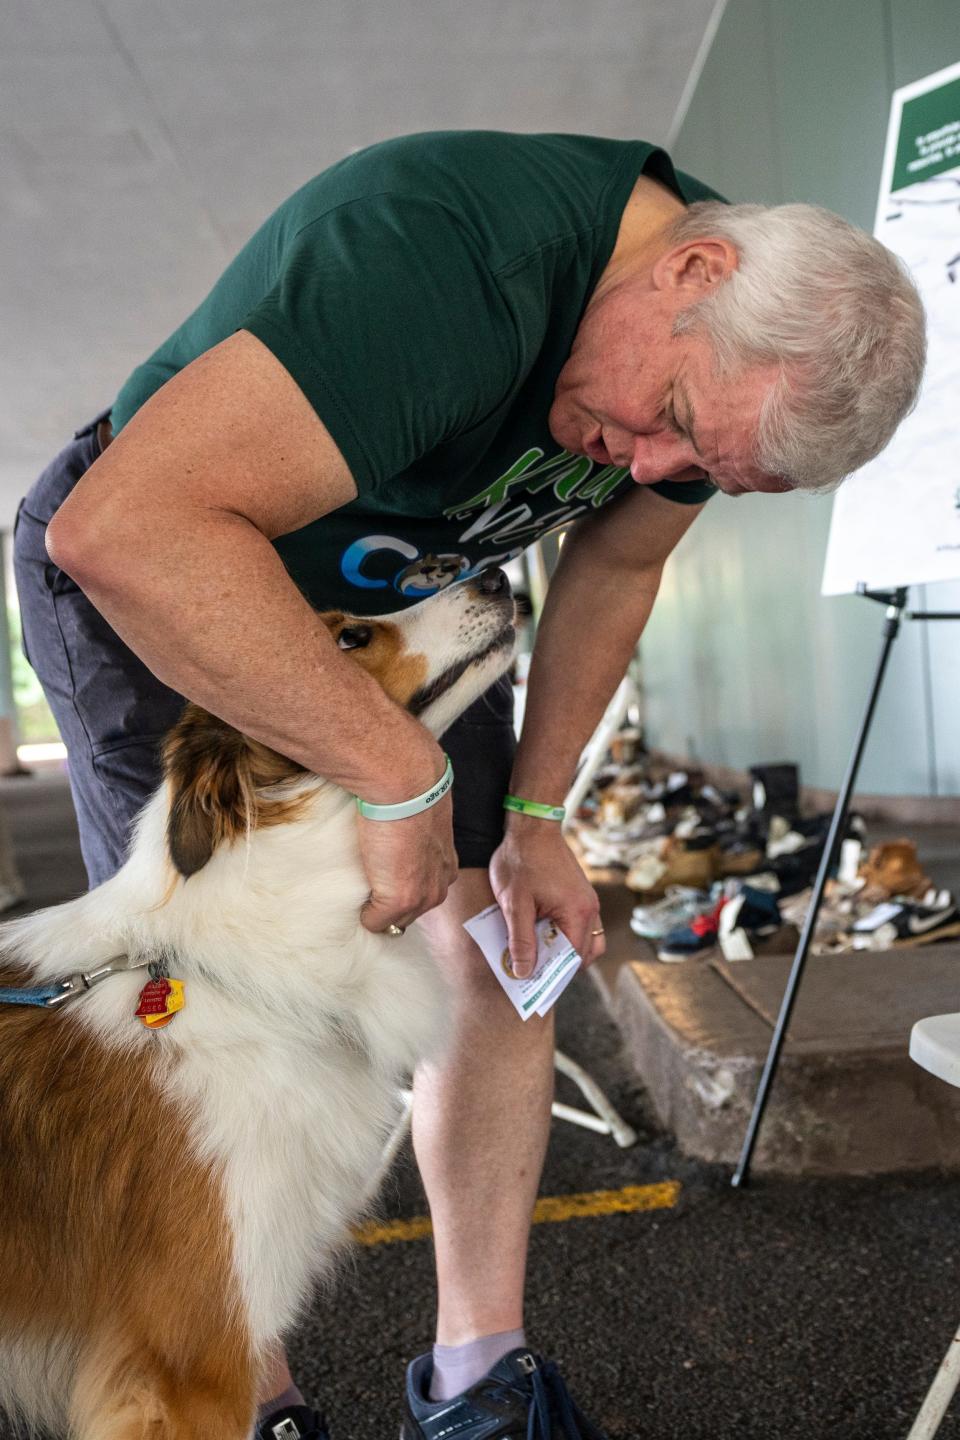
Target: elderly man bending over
(431,355)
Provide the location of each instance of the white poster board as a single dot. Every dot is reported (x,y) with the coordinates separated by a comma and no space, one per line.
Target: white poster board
(897,521)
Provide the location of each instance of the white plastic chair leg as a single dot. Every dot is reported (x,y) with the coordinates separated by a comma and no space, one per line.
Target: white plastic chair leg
(389,1152)
(939,1395)
(596,749)
(935,1044)
(605,1119)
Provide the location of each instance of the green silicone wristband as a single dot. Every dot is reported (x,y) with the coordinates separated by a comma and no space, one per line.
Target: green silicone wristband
(533,807)
(419,803)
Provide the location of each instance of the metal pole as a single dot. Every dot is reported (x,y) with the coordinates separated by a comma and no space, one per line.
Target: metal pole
(896,602)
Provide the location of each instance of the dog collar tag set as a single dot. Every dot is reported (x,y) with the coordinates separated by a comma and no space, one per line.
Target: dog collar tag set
(160,998)
(159,1001)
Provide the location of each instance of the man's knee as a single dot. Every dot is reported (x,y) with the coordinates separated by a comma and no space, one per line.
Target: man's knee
(459,956)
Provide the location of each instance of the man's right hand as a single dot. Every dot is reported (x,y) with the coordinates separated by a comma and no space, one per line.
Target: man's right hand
(410,864)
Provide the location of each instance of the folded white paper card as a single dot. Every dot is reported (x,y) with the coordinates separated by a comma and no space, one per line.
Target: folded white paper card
(557,961)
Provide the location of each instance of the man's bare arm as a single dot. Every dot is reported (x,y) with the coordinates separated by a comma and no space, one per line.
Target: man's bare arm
(169,535)
(598,603)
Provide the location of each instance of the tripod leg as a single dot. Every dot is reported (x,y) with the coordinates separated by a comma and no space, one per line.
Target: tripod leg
(890,629)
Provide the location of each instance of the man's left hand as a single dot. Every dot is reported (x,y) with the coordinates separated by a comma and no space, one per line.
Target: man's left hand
(535,876)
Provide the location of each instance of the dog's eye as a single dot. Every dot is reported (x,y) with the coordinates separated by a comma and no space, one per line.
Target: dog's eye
(354,637)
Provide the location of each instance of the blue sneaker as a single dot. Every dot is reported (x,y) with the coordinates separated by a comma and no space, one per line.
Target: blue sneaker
(293,1422)
(520,1398)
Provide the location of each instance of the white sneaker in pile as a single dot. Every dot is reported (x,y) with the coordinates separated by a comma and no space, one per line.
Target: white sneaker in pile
(898,924)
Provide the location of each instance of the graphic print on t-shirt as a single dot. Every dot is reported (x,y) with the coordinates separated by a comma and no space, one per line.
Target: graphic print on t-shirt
(488,528)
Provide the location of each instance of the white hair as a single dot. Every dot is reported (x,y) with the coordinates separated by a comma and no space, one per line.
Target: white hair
(835,309)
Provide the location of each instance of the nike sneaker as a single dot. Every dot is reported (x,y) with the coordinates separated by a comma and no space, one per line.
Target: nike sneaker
(900,924)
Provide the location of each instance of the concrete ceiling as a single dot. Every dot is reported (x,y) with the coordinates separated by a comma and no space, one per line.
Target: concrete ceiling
(142,141)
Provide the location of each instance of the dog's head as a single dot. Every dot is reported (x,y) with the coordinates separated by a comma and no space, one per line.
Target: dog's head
(434,659)
(437,657)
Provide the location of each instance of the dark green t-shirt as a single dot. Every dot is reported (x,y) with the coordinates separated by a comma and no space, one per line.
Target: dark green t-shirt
(424,294)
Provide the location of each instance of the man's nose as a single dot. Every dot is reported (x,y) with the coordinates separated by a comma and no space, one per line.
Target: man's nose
(664,457)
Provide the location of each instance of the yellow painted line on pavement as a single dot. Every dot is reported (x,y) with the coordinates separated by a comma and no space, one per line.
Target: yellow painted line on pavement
(388,1233)
(548,1209)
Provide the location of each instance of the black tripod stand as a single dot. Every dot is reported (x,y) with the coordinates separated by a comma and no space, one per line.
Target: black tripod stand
(895,601)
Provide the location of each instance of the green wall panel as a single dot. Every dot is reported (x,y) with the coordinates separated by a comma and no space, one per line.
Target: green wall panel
(925,36)
(832,85)
(726,137)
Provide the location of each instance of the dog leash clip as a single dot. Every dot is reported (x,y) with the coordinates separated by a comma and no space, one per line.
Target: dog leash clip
(75,984)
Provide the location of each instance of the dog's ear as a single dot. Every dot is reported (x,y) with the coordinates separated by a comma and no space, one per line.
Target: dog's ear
(209,796)
(214,774)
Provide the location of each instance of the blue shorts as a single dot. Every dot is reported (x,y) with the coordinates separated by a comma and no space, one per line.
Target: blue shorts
(112,712)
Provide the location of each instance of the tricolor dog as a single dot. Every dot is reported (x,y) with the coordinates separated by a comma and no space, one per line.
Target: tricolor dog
(173,1182)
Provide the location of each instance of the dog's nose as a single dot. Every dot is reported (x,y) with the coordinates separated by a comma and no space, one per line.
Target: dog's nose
(493,581)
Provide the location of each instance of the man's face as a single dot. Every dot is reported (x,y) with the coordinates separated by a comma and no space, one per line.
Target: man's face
(633,394)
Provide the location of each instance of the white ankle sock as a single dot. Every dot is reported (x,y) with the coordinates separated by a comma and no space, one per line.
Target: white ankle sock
(457,1367)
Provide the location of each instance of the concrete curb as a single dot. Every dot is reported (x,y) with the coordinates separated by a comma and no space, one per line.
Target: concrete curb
(847,1099)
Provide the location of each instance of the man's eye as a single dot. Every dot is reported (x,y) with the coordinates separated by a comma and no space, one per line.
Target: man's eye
(675,425)
(355,637)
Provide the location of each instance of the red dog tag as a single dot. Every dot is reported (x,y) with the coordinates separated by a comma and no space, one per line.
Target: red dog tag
(153,998)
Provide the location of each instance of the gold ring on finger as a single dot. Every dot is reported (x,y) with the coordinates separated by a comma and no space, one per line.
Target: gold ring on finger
(598,932)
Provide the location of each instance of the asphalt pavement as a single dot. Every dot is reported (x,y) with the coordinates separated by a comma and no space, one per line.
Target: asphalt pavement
(792,1310)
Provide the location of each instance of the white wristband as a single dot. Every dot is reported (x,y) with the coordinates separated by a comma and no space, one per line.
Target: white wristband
(409,807)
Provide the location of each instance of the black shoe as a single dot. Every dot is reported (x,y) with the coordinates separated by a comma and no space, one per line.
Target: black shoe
(776,789)
(293,1422)
(798,868)
(520,1398)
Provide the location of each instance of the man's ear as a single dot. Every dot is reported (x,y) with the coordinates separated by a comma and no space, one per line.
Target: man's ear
(696,265)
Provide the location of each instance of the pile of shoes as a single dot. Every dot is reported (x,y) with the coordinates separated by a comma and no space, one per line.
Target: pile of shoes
(742,919)
(888,904)
(713,869)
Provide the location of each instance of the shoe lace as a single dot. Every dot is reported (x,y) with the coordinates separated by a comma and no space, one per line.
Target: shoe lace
(548,1385)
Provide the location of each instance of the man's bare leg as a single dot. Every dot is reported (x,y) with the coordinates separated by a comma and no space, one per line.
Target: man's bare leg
(276,1377)
(481,1120)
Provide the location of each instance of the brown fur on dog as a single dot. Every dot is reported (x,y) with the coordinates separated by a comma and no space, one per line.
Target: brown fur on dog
(142,1292)
(215,776)
(383,655)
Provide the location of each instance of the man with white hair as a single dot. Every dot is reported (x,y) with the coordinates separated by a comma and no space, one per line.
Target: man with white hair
(434,353)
